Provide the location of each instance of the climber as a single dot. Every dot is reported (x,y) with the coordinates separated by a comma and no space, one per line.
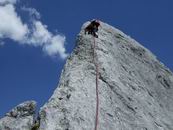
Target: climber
(92,28)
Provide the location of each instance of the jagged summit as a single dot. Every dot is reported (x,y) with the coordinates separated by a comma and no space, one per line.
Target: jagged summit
(135,89)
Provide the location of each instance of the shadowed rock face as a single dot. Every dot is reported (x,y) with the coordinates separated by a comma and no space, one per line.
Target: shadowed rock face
(135,89)
(19,118)
(23,110)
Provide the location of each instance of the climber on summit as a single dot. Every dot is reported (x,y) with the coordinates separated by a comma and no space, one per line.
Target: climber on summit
(92,28)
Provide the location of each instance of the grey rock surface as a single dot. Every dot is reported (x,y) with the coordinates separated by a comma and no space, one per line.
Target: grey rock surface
(135,89)
(19,118)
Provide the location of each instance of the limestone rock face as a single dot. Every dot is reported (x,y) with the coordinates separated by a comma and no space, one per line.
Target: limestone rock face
(19,118)
(135,89)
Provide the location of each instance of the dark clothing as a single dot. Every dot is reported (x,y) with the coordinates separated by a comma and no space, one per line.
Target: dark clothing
(92,28)
(95,23)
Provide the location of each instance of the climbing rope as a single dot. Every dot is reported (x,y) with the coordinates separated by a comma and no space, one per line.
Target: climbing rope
(97,93)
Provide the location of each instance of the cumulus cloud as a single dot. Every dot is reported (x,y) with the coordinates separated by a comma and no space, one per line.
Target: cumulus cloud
(56,46)
(40,34)
(33,33)
(52,44)
(7,1)
(11,25)
(32,12)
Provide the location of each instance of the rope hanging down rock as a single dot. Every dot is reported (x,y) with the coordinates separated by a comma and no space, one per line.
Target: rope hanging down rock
(97,93)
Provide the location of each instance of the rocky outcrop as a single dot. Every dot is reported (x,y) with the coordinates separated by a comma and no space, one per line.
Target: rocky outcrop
(19,118)
(135,89)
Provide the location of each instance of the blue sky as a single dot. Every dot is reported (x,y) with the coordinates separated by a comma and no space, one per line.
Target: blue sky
(28,73)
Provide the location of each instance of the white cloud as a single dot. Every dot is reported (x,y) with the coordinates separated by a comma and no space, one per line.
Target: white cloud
(32,12)
(11,25)
(40,34)
(7,1)
(52,44)
(56,45)
(33,33)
